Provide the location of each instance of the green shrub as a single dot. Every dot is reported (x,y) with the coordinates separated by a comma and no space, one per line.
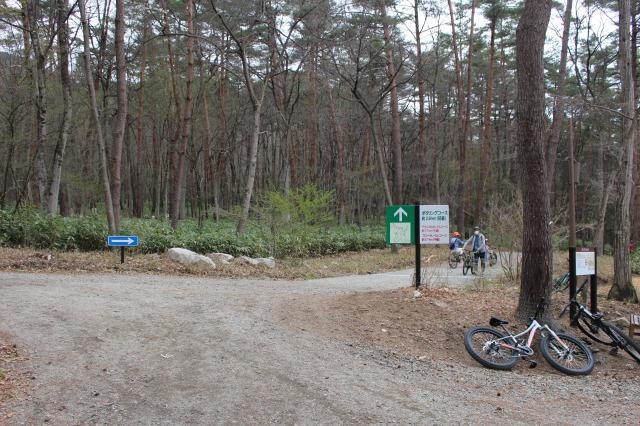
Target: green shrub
(635,262)
(30,228)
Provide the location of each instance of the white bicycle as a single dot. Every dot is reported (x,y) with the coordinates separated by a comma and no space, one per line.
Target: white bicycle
(495,349)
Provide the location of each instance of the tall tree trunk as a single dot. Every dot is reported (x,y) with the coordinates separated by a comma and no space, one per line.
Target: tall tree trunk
(380,156)
(536,240)
(396,141)
(461,126)
(464,146)
(341,184)
(96,118)
(138,206)
(635,209)
(63,59)
(485,164)
(622,288)
(253,163)
(41,103)
(156,172)
(178,182)
(558,107)
(120,123)
(313,114)
(206,147)
(422,137)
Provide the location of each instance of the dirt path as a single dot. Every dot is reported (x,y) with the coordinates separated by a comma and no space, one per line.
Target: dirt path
(107,349)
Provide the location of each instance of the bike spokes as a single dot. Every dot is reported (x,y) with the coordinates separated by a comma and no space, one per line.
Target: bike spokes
(492,350)
(572,357)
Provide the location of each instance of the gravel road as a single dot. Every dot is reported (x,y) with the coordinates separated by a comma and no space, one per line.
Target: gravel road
(127,349)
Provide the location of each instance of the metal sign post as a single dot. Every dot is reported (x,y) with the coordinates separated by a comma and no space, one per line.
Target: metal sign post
(585,264)
(416,218)
(594,282)
(123,241)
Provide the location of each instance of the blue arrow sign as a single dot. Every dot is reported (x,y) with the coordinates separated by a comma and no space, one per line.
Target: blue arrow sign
(123,241)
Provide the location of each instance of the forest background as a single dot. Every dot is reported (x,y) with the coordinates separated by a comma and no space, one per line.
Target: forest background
(285,127)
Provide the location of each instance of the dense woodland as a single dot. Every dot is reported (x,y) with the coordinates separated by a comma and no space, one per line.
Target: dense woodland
(197,108)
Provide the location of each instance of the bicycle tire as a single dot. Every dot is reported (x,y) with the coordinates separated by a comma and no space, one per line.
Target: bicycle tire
(453,261)
(580,351)
(465,267)
(627,343)
(493,259)
(510,357)
(583,325)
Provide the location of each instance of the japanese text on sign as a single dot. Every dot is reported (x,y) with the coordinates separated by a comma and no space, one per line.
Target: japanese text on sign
(434,224)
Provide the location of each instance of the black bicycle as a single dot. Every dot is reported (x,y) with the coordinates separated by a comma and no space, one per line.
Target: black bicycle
(599,330)
(472,262)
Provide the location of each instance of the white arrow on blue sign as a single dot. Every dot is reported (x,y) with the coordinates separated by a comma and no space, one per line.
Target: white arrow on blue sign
(122,241)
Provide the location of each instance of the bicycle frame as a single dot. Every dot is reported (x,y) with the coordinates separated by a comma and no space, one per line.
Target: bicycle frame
(531,331)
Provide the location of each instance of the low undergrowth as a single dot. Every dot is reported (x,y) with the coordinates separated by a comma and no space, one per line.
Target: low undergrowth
(30,228)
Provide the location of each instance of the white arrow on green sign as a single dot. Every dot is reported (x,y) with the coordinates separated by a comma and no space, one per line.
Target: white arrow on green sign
(400,227)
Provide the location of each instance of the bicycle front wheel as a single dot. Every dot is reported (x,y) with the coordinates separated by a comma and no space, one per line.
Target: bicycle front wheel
(575,360)
(465,268)
(625,342)
(481,344)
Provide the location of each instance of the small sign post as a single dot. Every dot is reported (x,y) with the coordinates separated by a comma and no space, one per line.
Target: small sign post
(585,263)
(123,241)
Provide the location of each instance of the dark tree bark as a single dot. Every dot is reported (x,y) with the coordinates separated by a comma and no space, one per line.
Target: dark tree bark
(536,240)
(622,288)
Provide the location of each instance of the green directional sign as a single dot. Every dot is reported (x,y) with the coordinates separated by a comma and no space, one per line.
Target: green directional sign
(401,224)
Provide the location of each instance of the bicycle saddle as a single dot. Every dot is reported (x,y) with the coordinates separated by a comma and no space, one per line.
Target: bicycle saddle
(494,322)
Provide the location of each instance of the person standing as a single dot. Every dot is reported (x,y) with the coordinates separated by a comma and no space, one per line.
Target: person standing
(477,244)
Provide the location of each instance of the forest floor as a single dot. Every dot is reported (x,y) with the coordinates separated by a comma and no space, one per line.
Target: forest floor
(350,263)
(109,349)
(99,347)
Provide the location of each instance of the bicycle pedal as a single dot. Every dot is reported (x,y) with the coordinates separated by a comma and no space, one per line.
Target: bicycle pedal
(533,364)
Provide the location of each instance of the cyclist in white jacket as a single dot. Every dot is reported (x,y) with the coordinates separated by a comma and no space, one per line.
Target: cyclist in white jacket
(478,245)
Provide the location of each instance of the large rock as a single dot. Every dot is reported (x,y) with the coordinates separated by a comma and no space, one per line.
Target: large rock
(220,257)
(268,262)
(246,260)
(190,259)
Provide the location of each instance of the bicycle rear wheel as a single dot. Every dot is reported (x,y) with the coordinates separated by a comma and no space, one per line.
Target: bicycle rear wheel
(453,260)
(593,332)
(626,342)
(481,345)
(575,360)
